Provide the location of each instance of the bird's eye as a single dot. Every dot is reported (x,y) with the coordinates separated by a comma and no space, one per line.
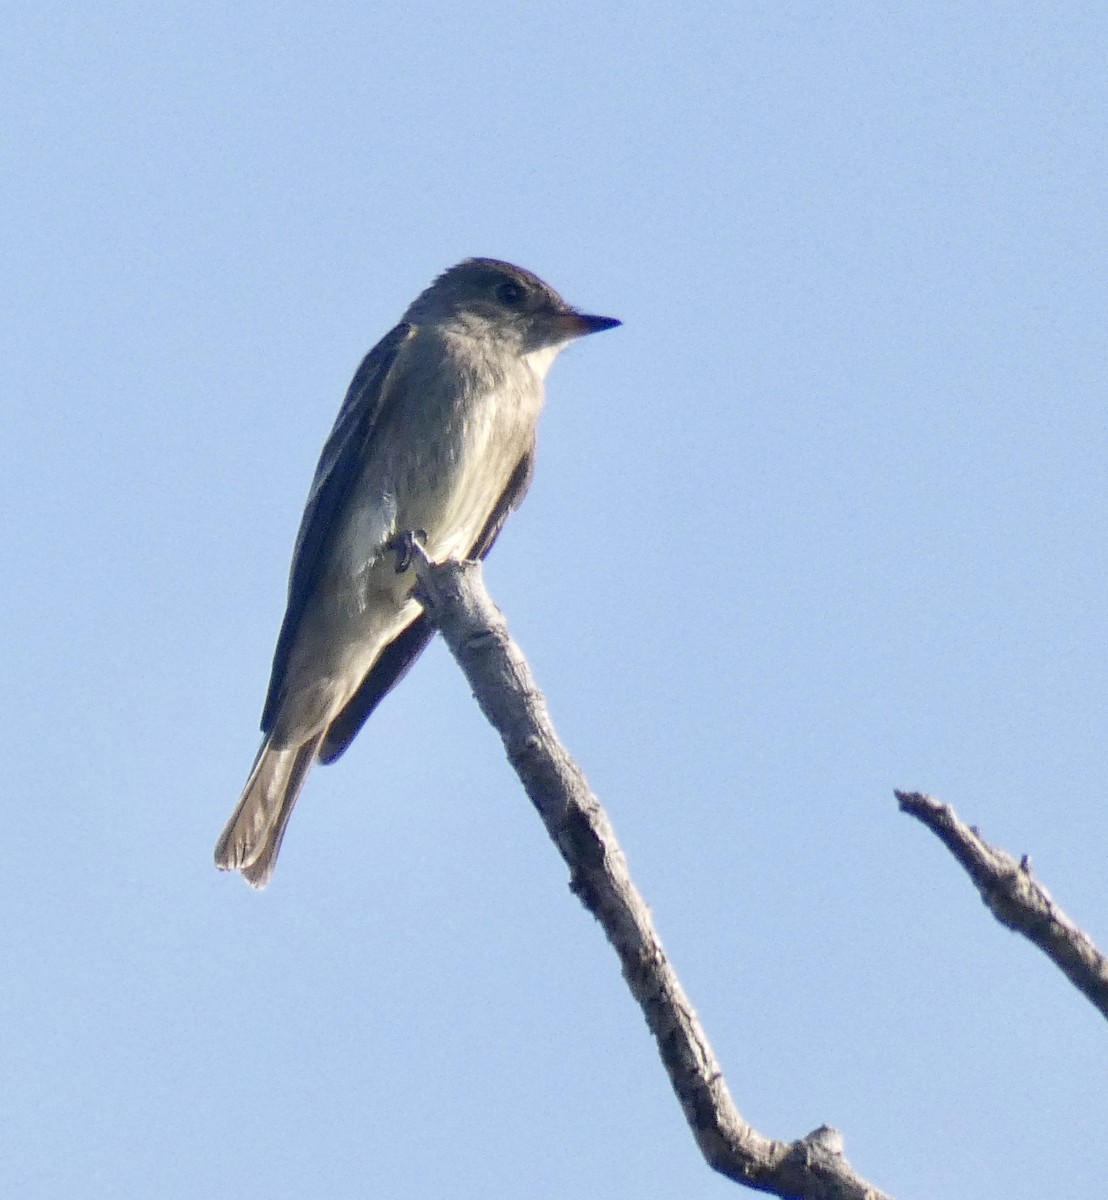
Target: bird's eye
(509,293)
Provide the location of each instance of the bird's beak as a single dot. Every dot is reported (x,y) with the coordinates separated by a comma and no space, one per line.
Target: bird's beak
(575,324)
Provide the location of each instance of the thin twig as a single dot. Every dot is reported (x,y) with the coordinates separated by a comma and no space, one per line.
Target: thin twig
(812,1168)
(1015,897)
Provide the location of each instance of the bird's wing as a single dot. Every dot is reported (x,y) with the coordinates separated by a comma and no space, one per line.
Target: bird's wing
(340,464)
(398,656)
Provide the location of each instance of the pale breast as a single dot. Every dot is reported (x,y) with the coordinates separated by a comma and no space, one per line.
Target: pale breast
(471,444)
(442,457)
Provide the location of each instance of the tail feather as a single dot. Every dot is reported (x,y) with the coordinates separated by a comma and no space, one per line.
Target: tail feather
(252,837)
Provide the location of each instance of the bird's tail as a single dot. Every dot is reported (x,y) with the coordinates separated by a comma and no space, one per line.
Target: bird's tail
(252,837)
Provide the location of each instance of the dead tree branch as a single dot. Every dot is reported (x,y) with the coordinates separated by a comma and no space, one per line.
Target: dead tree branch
(1015,897)
(812,1168)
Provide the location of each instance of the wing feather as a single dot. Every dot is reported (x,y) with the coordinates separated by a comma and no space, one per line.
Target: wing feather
(339,466)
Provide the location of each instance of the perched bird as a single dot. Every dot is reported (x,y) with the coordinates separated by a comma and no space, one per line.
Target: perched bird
(436,435)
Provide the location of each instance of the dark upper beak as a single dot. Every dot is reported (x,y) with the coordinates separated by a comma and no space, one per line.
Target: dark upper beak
(575,324)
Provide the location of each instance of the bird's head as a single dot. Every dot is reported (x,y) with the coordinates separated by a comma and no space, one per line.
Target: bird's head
(489,298)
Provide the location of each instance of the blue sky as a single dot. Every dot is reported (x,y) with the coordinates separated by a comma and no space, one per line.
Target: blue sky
(824,518)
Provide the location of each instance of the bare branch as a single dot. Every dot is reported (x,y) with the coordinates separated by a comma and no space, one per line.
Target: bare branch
(812,1168)
(1015,898)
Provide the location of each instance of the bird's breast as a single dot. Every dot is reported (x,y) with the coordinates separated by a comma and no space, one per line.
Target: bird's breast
(471,457)
(442,459)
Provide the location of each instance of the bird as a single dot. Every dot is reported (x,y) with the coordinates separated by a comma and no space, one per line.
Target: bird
(435,438)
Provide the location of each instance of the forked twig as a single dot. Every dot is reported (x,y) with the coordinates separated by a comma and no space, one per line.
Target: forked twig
(811,1168)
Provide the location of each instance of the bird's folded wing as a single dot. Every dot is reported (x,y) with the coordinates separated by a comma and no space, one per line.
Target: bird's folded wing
(340,465)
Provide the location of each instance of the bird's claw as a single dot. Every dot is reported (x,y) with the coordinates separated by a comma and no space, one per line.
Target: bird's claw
(407,545)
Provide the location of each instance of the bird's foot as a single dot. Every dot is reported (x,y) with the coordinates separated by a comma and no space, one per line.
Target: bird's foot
(408,545)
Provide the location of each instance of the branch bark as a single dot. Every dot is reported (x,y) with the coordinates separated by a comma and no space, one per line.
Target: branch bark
(811,1168)
(1015,897)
